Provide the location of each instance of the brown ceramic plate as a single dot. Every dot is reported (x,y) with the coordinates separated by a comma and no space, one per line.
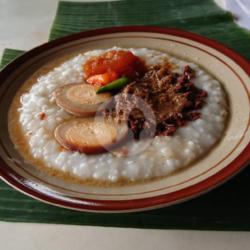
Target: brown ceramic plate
(228,158)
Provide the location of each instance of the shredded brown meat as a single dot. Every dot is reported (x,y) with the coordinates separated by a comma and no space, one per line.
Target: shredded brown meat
(172,99)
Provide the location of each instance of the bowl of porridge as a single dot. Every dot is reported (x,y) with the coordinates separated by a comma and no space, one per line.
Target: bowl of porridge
(124,119)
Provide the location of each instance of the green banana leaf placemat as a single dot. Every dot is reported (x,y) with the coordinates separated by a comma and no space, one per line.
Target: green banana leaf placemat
(227,207)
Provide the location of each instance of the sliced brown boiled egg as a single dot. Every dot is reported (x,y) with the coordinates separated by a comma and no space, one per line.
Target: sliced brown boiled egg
(90,135)
(80,99)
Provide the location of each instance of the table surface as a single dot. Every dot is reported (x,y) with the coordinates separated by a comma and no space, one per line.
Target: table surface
(28,27)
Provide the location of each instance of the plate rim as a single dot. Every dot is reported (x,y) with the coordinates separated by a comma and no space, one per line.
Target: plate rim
(92,205)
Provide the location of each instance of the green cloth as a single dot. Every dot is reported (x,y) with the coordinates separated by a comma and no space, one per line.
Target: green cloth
(227,207)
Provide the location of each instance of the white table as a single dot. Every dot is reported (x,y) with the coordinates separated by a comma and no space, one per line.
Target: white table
(28,27)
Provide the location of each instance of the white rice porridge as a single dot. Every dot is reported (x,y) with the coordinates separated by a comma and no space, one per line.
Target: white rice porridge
(163,156)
